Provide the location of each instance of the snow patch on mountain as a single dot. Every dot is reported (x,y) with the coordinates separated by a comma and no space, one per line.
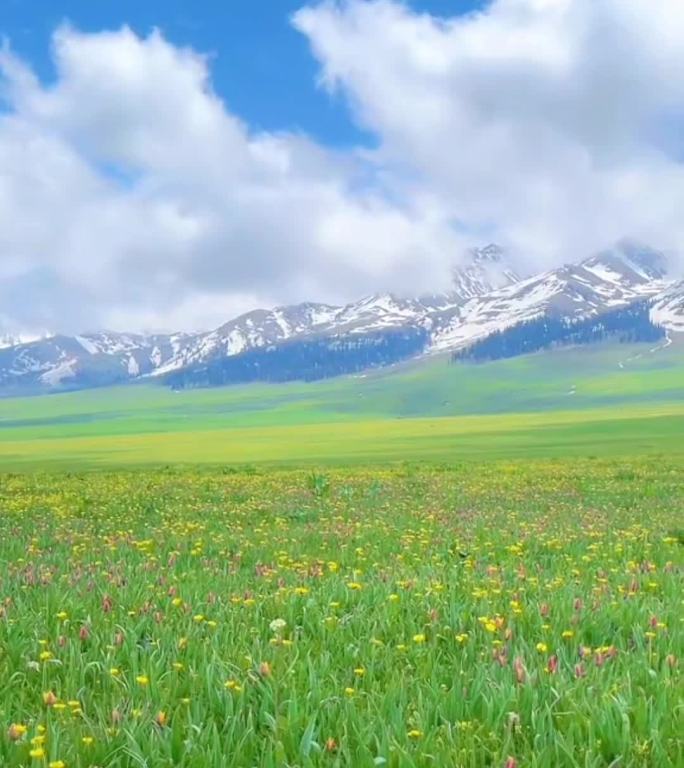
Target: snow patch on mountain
(668,309)
(56,374)
(8,340)
(87,344)
(575,291)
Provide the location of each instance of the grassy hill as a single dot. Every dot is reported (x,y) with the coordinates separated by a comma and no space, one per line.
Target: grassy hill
(602,399)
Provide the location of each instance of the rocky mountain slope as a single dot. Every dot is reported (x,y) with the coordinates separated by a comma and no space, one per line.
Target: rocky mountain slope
(487,295)
(668,309)
(575,291)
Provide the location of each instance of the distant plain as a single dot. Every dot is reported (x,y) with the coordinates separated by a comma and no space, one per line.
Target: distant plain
(604,400)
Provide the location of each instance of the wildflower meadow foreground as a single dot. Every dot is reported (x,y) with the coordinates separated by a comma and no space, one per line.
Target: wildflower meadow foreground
(522,614)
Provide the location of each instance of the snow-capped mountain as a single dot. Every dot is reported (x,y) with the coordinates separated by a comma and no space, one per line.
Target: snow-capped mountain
(14,339)
(486,270)
(629,262)
(487,296)
(668,309)
(254,329)
(483,270)
(577,291)
(9,340)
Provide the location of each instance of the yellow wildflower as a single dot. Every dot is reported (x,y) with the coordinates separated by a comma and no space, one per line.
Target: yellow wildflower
(16,731)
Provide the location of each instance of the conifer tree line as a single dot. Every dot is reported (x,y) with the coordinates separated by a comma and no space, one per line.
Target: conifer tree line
(306,360)
(629,324)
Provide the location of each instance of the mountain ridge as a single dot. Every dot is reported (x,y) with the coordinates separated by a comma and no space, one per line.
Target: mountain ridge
(488,294)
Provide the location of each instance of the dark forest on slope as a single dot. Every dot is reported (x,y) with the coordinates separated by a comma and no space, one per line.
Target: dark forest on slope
(307,360)
(626,325)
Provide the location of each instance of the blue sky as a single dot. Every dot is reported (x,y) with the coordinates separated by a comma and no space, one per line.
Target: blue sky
(261,66)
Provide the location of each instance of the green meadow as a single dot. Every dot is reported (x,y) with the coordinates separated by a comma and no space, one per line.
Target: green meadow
(436,565)
(512,614)
(607,400)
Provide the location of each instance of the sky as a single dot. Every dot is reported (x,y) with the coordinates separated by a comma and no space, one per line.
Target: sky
(260,65)
(170,165)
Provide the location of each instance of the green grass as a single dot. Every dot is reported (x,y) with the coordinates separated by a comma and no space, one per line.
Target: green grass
(489,615)
(493,580)
(577,402)
(557,434)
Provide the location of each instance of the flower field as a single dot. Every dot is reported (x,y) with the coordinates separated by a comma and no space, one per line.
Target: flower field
(494,614)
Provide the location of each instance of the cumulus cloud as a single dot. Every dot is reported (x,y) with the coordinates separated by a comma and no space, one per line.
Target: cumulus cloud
(556,124)
(131,196)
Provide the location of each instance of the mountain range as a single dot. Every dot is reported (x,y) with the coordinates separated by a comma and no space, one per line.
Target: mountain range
(488,295)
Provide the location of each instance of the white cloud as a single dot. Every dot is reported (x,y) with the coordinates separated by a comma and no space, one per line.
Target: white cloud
(130,195)
(542,119)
